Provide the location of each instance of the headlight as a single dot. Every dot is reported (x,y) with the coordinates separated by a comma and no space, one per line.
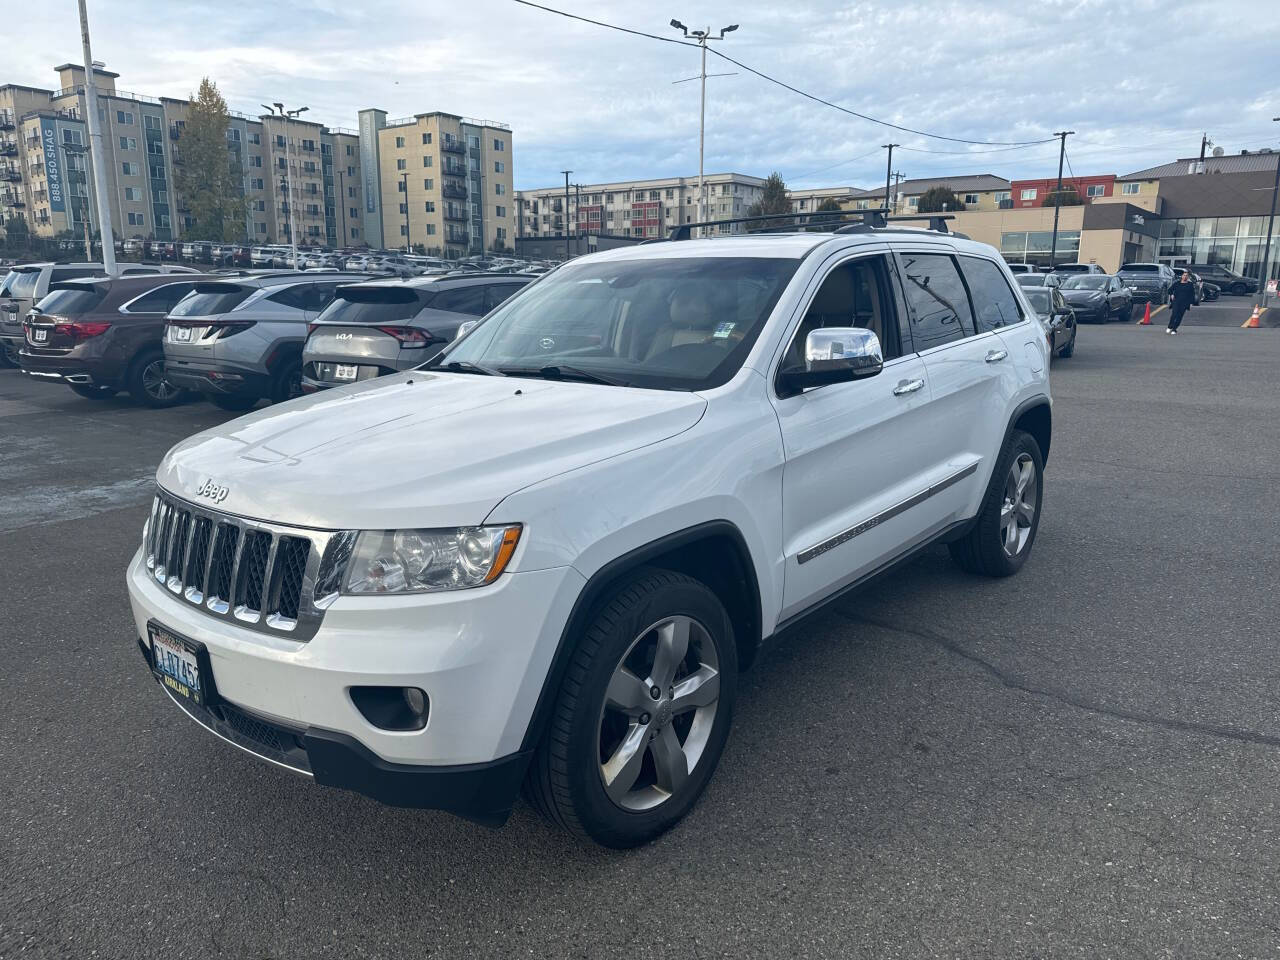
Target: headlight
(429,561)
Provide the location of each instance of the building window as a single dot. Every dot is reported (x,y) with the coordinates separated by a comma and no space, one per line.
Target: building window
(280,141)
(499,167)
(431,229)
(428,162)
(355,212)
(354,233)
(137,220)
(430,206)
(426,138)
(129,169)
(132,193)
(308,145)
(255,161)
(351,171)
(233,134)
(401,164)
(255,138)
(1029,193)
(970,198)
(428,184)
(126,143)
(1096,190)
(260,206)
(499,188)
(1129,189)
(149,122)
(400,187)
(259,227)
(399,141)
(124,117)
(498,145)
(404,230)
(280,164)
(502,212)
(912,201)
(404,208)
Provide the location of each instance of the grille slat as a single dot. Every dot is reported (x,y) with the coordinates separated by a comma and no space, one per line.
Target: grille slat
(258,573)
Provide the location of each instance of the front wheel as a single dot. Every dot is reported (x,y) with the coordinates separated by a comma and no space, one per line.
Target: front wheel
(1238,289)
(642,714)
(1005,529)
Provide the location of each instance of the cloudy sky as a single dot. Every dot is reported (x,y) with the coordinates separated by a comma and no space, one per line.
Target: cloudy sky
(1138,81)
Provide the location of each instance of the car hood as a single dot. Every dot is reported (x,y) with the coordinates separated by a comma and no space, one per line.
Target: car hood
(1146,279)
(418,449)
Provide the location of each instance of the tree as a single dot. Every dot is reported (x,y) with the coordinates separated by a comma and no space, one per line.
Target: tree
(828,204)
(774,200)
(1068,198)
(941,199)
(209,177)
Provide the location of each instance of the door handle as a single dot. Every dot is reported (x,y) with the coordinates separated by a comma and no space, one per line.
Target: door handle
(994,356)
(907,386)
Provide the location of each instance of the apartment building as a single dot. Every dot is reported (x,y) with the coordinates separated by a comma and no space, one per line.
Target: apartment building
(808,201)
(437,181)
(635,208)
(980,191)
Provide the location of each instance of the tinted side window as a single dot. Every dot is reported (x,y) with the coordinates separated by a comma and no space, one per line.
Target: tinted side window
(468,299)
(161,299)
(295,296)
(69,273)
(320,295)
(993,301)
(497,292)
(939,302)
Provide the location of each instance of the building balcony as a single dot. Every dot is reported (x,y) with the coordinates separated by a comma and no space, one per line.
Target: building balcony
(11,198)
(8,149)
(454,191)
(6,121)
(455,170)
(454,214)
(458,238)
(11,174)
(40,196)
(453,146)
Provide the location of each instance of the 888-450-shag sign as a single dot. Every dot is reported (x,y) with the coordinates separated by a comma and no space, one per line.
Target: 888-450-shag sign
(52,165)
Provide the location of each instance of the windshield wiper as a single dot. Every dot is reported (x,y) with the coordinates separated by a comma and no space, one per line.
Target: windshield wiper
(466,366)
(564,372)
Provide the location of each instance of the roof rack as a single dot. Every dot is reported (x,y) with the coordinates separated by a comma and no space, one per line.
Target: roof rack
(864,221)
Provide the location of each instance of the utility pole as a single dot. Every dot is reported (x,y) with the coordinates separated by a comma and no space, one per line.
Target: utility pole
(888,173)
(1271,222)
(408,247)
(1204,143)
(898,177)
(1057,205)
(566,212)
(286,116)
(95,150)
(702,36)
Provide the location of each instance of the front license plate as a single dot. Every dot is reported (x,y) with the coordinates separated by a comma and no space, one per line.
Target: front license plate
(176,662)
(39,336)
(182,334)
(344,371)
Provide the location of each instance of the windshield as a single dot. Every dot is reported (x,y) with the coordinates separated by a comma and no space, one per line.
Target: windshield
(21,284)
(71,301)
(1038,297)
(208,299)
(1086,283)
(1032,279)
(674,324)
(371,305)
(1140,268)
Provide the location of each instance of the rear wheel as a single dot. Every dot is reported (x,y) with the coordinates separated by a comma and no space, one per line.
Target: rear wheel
(147,384)
(1238,289)
(234,404)
(8,356)
(90,392)
(642,714)
(1001,538)
(287,382)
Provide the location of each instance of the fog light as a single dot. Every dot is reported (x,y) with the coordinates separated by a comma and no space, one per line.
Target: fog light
(393,708)
(416,701)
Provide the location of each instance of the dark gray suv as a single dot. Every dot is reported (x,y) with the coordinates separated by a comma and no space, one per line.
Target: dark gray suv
(375,328)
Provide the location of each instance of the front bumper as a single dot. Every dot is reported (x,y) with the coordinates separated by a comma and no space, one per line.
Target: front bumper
(480,655)
(1148,294)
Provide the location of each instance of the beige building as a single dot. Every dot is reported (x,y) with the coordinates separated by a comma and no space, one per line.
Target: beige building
(635,208)
(438,182)
(977,191)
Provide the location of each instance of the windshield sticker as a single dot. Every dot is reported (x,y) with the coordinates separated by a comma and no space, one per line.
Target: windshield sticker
(724,330)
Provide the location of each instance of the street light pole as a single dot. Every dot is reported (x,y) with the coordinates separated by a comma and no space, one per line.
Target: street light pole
(1057,205)
(286,116)
(1271,222)
(702,36)
(95,150)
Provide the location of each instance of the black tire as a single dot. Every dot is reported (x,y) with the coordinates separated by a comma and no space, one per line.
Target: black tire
(287,382)
(982,550)
(1070,348)
(90,392)
(565,783)
(1238,289)
(143,386)
(232,404)
(8,356)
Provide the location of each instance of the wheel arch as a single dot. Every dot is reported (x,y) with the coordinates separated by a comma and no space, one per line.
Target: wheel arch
(714,552)
(1034,416)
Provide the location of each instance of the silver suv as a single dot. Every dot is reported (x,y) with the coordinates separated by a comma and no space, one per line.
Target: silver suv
(239,339)
(374,328)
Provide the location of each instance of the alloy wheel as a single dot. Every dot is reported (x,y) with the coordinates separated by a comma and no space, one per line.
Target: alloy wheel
(658,713)
(1018,512)
(155,384)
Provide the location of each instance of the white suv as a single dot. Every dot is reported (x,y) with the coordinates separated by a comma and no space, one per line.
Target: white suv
(542,558)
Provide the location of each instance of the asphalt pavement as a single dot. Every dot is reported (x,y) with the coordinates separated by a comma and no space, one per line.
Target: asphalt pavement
(1081,761)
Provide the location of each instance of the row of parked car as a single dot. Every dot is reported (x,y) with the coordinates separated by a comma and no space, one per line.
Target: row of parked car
(234,338)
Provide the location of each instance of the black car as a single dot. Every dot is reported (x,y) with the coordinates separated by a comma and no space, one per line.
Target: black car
(1057,316)
(1098,298)
(1228,281)
(1148,282)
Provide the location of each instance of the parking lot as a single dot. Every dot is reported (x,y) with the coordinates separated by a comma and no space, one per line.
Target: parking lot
(1083,760)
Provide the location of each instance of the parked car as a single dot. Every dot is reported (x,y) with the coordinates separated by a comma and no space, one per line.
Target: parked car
(1057,316)
(1150,282)
(238,340)
(1228,281)
(262,256)
(27,283)
(1021,268)
(1209,291)
(1073,269)
(1098,299)
(544,558)
(1039,279)
(100,336)
(381,326)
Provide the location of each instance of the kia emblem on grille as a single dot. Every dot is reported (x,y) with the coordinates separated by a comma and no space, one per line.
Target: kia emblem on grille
(215,492)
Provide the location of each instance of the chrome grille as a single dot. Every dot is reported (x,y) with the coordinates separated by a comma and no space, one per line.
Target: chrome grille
(262,575)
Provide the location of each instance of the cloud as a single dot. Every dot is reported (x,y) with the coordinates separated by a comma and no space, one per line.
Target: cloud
(1137,87)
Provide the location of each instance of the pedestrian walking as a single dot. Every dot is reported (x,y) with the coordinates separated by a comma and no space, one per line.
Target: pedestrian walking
(1180,296)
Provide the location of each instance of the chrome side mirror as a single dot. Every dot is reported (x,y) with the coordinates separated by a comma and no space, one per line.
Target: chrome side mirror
(834,355)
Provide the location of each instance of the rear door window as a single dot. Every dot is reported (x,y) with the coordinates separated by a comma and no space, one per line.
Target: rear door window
(468,299)
(72,301)
(993,300)
(70,273)
(296,296)
(162,299)
(939,303)
(320,295)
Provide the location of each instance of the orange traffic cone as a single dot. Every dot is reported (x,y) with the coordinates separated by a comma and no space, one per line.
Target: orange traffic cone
(1146,316)
(1254,322)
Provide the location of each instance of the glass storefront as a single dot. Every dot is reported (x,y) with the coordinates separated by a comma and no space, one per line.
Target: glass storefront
(1034,246)
(1232,242)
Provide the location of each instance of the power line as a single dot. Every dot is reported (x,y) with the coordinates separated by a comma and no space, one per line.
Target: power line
(785,86)
(842,163)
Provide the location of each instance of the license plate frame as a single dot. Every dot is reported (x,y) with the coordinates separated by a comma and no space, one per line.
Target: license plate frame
(182,334)
(39,334)
(191,654)
(345,371)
